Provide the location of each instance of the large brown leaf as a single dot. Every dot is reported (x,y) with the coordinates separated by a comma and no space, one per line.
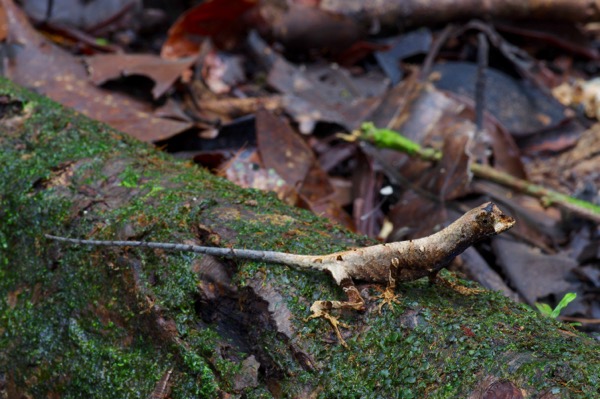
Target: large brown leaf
(39,64)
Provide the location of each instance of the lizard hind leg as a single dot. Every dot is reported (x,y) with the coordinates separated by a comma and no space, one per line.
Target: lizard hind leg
(321,309)
(389,297)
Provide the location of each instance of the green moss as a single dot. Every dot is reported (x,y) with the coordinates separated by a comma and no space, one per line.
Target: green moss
(129,178)
(57,335)
(49,336)
(406,362)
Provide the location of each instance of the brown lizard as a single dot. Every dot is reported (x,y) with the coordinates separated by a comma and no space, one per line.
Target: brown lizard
(384,263)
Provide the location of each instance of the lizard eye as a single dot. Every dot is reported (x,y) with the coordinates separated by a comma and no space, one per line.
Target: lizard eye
(485,220)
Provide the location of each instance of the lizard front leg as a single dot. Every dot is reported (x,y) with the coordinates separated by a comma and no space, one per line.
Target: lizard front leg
(435,278)
(321,309)
(389,296)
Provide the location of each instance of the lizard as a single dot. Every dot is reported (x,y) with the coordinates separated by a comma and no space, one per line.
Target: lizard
(385,263)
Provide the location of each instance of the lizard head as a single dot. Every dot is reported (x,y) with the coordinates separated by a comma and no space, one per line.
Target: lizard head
(491,220)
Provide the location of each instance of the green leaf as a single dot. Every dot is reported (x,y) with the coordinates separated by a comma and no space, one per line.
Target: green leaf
(544,309)
(547,311)
(568,298)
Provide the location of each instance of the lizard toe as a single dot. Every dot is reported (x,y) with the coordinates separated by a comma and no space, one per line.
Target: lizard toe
(388,297)
(320,310)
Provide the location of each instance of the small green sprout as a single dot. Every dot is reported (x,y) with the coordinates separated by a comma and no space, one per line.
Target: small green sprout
(547,311)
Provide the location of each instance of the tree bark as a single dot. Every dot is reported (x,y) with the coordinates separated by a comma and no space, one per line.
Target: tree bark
(411,13)
(80,321)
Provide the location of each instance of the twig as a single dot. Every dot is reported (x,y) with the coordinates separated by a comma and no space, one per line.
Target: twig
(482,63)
(386,138)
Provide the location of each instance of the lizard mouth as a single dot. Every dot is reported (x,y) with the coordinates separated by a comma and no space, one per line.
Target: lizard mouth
(503,223)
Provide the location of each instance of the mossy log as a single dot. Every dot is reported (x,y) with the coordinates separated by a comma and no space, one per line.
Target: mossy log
(94,322)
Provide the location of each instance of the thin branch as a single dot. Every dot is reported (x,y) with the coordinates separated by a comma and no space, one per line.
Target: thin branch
(386,138)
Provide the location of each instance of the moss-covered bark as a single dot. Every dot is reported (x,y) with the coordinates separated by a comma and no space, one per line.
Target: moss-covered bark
(112,322)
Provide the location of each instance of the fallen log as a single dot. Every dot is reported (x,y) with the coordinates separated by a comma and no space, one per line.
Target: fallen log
(79,321)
